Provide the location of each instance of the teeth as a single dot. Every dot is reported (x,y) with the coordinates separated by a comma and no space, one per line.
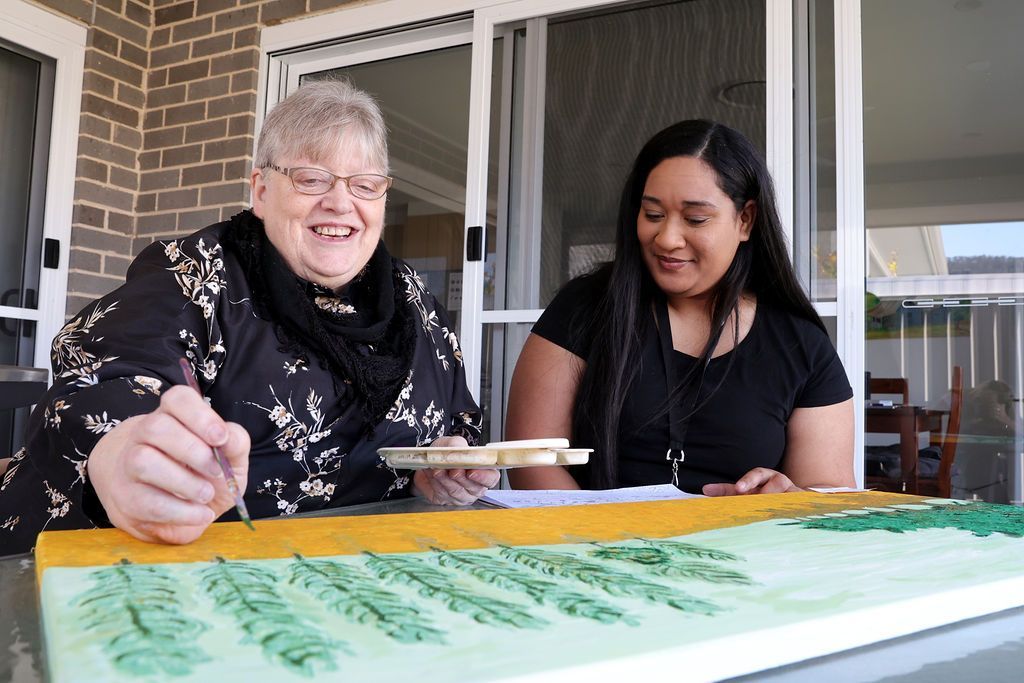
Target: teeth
(330,231)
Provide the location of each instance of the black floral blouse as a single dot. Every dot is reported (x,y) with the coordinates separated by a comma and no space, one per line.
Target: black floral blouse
(188,298)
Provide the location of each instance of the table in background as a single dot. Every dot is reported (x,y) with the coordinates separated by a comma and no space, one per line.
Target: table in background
(987,649)
(908,421)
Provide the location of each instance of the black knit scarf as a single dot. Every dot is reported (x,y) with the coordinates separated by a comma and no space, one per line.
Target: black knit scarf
(366,337)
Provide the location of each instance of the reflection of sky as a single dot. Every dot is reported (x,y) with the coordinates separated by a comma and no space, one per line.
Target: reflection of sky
(984,239)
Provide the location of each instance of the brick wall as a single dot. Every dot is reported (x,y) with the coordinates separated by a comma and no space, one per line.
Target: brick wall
(168,116)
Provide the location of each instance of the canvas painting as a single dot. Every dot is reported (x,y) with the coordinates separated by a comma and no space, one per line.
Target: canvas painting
(530,594)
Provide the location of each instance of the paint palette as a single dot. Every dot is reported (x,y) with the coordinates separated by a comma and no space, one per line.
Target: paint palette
(499,454)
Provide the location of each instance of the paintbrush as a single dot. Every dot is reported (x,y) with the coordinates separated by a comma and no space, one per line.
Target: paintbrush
(225,466)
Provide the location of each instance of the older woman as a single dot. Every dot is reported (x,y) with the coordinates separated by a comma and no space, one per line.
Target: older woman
(694,358)
(313,348)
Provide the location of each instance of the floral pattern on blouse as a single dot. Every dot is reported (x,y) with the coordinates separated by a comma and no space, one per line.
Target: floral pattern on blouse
(189,298)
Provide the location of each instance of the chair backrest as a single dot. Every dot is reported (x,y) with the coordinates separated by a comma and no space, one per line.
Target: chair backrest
(950,438)
(891,385)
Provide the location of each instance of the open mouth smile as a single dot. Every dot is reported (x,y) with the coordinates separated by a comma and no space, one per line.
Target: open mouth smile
(332,231)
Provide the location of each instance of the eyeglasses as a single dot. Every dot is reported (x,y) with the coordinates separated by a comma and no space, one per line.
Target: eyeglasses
(319,181)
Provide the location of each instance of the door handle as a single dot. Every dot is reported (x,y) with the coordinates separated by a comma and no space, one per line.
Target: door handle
(4,298)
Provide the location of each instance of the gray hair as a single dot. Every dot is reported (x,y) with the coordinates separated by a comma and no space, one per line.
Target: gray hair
(312,122)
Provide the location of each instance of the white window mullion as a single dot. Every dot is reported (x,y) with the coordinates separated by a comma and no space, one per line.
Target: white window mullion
(471,331)
(850,230)
(779,107)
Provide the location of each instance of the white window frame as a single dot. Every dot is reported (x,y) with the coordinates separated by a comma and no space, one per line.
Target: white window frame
(282,60)
(63,41)
(850,231)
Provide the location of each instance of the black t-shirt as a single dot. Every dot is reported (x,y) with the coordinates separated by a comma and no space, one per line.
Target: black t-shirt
(784,362)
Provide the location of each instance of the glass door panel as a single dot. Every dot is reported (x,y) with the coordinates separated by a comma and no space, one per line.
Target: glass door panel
(425,100)
(26,100)
(580,93)
(944,207)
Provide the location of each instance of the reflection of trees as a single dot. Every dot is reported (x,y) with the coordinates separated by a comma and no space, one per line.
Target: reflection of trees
(988,409)
(884,321)
(968,265)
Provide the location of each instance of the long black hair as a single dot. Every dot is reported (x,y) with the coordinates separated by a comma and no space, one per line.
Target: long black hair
(624,315)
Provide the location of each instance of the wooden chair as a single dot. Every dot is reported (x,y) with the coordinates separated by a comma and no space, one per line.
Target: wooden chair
(896,386)
(941,485)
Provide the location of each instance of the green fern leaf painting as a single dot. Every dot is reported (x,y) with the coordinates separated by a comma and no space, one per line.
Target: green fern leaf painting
(492,608)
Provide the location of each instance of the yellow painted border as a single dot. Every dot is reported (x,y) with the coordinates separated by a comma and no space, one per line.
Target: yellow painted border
(415,532)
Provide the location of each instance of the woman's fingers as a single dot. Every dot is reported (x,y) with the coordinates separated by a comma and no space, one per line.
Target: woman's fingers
(757,480)
(486,478)
(148,465)
(150,505)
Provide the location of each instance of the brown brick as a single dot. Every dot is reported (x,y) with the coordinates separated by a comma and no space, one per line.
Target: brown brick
(212,46)
(80,259)
(75,303)
(213,6)
(120,177)
(84,214)
(155,223)
(115,6)
(113,67)
(103,41)
(226,212)
(116,265)
(276,12)
(174,13)
(238,61)
(99,84)
(159,180)
(237,169)
(128,137)
(133,97)
(91,169)
(182,156)
(243,81)
(241,125)
(227,149)
(121,222)
(189,72)
(190,221)
(109,110)
(160,38)
(210,87)
(133,54)
(99,240)
(161,97)
(193,29)
(324,5)
(247,37)
(94,285)
(94,126)
(211,130)
(177,199)
(153,119)
(243,16)
(150,160)
(111,153)
(173,54)
(200,175)
(166,137)
(138,13)
(186,113)
(221,194)
(145,202)
(79,9)
(235,104)
(123,28)
(89,191)
(157,78)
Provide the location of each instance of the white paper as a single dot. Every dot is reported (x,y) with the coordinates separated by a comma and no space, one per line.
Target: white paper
(836,489)
(555,497)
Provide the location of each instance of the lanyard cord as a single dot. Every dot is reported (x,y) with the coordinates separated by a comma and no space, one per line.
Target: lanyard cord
(677,424)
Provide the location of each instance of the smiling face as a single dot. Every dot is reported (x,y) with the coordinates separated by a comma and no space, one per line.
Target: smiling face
(688,228)
(327,238)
